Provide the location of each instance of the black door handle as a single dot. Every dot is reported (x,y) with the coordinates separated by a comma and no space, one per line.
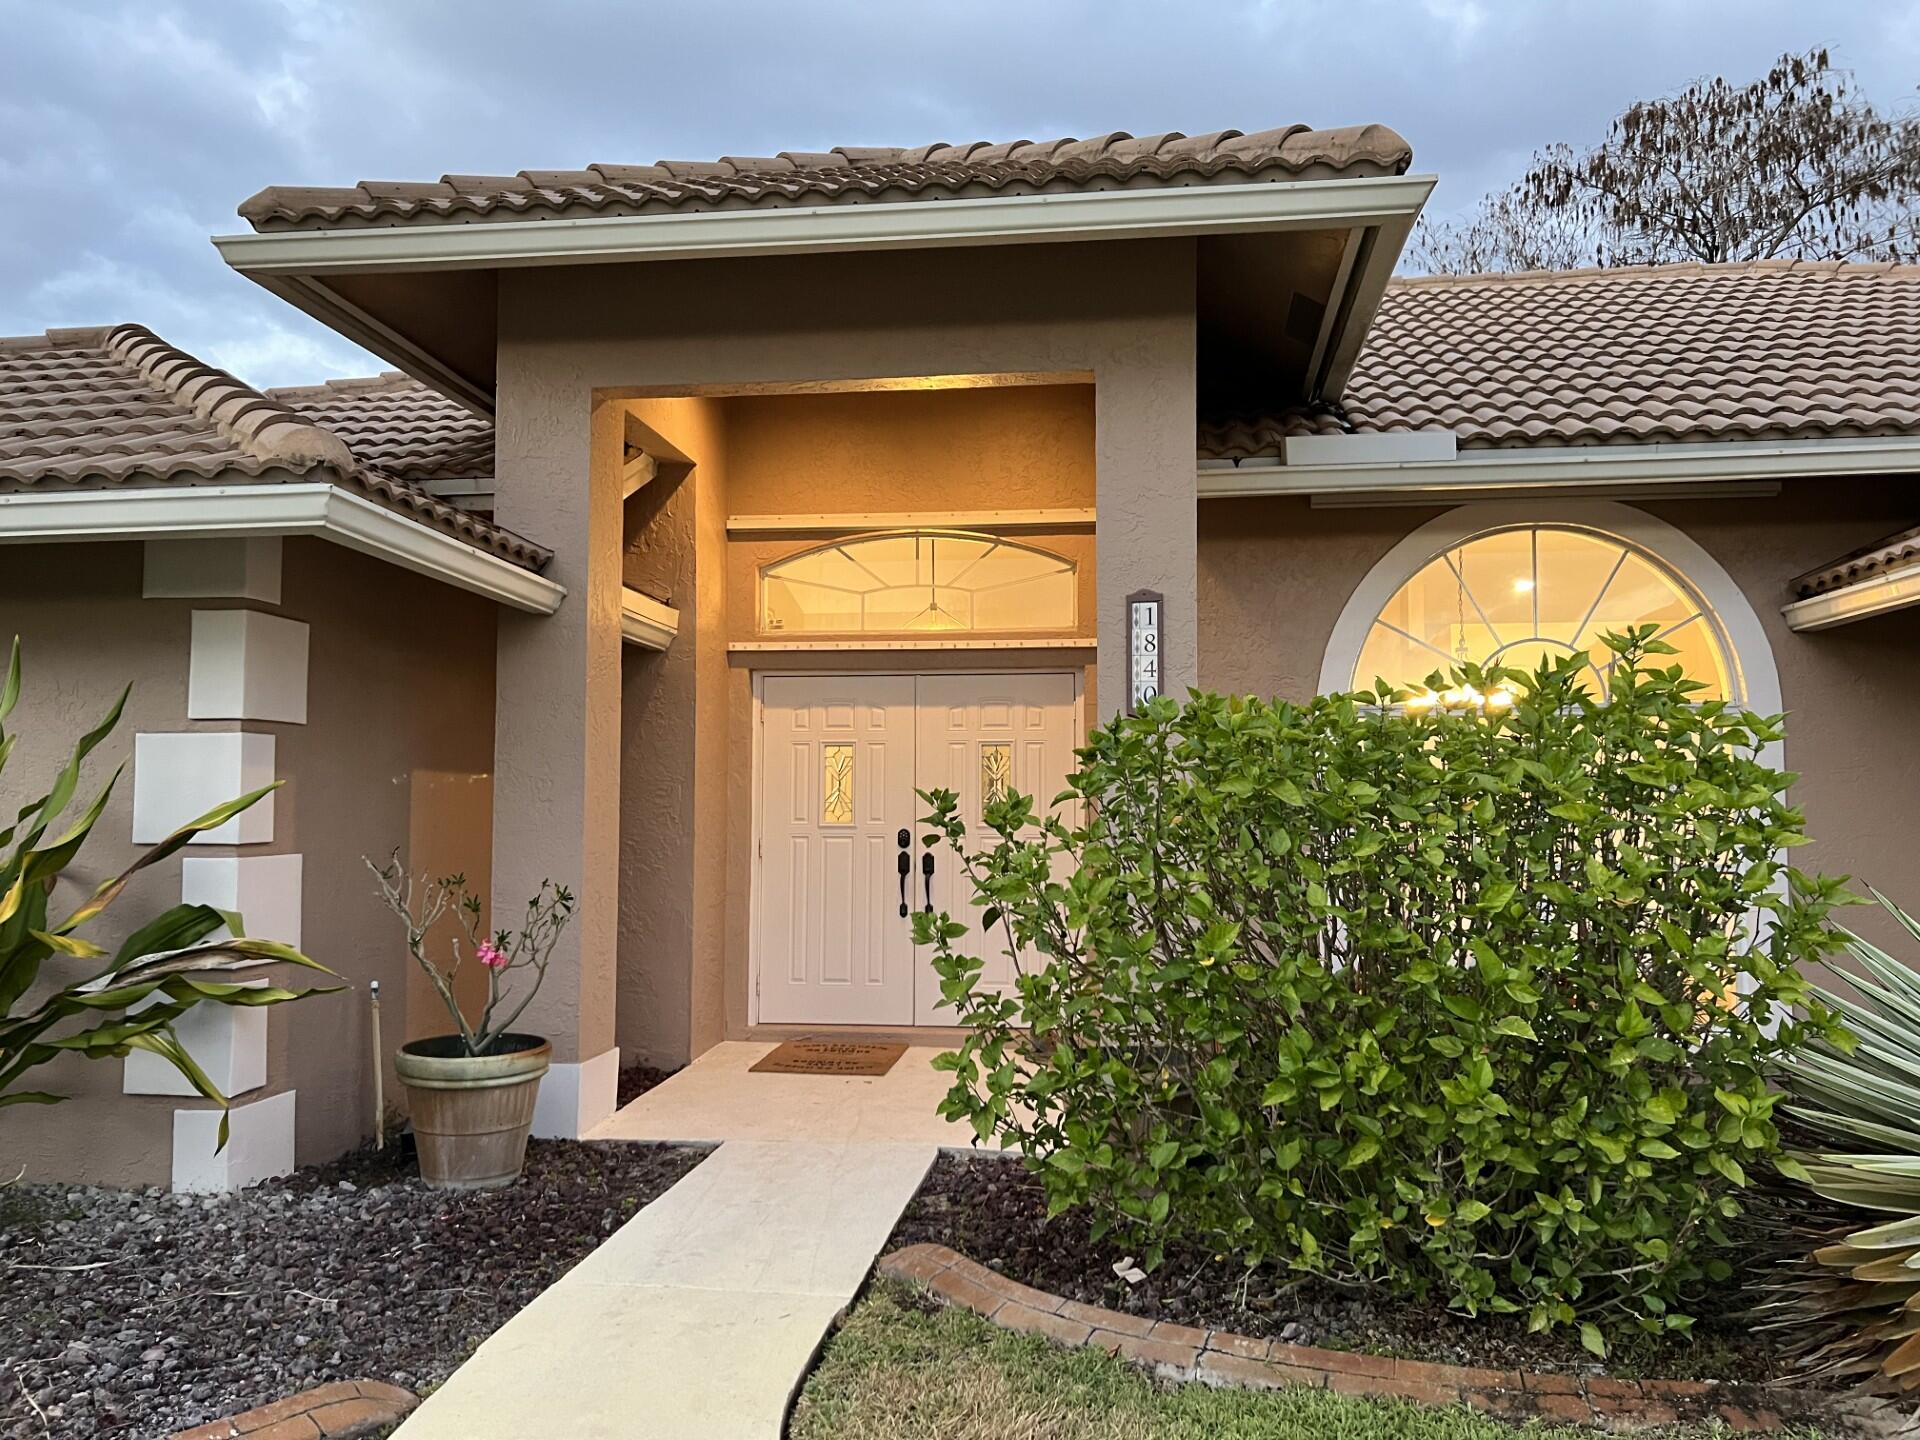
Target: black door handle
(906,869)
(926,874)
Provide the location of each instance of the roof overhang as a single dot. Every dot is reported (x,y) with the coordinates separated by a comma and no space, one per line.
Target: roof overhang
(1640,468)
(645,621)
(299,508)
(808,229)
(1875,595)
(1377,212)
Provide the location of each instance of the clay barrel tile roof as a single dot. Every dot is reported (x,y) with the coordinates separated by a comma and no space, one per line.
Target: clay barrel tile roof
(116,406)
(1894,553)
(848,173)
(398,426)
(1767,350)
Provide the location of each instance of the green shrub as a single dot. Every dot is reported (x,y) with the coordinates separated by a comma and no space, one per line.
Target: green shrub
(1467,1003)
(129,999)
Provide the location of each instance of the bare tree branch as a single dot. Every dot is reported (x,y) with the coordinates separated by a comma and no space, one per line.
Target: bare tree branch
(1793,165)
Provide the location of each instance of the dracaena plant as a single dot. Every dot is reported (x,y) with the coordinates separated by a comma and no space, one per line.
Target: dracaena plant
(515,961)
(170,963)
(1848,1308)
(1467,1004)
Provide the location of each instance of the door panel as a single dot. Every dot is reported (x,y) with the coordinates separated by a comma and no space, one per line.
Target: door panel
(980,734)
(836,786)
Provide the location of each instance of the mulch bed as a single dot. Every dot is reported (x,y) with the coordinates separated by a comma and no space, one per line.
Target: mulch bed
(636,1080)
(154,1312)
(991,1210)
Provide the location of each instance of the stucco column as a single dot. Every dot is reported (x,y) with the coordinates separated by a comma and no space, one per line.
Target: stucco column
(1144,527)
(556,796)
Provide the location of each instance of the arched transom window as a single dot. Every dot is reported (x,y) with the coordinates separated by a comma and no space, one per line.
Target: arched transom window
(918,580)
(1513,596)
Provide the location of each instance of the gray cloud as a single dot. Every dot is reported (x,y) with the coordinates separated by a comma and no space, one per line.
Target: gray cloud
(128,132)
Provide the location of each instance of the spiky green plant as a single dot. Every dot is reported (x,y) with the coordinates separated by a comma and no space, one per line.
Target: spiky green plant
(1853,1307)
(163,966)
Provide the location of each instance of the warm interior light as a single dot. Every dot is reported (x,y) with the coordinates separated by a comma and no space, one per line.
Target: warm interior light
(935,618)
(1522,586)
(1459,697)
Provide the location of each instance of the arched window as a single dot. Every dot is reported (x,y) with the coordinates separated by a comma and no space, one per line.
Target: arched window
(1514,595)
(918,581)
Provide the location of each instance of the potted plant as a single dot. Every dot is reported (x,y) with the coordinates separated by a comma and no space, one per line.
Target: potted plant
(471,1093)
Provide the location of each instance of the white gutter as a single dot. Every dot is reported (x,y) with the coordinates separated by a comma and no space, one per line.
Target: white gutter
(1895,590)
(1569,467)
(795,229)
(305,508)
(645,622)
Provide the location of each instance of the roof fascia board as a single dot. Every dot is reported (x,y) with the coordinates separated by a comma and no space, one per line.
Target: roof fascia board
(1389,200)
(1366,290)
(1573,468)
(1339,304)
(304,508)
(1895,590)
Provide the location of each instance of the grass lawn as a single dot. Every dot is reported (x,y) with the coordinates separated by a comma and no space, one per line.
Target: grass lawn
(896,1371)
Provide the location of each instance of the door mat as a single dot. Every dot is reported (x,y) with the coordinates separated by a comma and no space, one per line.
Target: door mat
(827,1057)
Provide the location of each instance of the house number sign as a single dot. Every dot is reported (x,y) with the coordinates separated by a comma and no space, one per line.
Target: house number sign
(1144,609)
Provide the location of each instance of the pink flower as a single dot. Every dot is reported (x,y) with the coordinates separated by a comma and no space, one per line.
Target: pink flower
(490,955)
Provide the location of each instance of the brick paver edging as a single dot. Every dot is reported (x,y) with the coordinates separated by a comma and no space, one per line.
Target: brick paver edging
(344,1410)
(1182,1352)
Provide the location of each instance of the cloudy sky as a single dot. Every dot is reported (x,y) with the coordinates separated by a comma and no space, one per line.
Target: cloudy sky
(130,131)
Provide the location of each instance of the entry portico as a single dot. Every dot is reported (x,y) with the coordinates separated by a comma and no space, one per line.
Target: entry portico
(697,376)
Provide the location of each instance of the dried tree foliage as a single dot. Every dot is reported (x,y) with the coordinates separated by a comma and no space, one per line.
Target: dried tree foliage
(1795,165)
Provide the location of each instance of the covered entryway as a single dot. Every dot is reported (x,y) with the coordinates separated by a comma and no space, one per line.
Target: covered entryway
(840,862)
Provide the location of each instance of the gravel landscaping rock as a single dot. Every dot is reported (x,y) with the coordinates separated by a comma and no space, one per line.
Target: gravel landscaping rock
(989,1209)
(137,1313)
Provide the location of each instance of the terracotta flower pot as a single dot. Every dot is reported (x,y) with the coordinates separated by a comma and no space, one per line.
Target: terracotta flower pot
(471,1113)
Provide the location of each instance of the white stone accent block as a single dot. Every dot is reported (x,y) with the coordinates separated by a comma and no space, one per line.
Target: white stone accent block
(260,1145)
(214,568)
(247,665)
(229,1042)
(177,778)
(264,889)
(576,1096)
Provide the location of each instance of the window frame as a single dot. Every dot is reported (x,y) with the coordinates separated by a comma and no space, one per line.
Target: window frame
(1068,567)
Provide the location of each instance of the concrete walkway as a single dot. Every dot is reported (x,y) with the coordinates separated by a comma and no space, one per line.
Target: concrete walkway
(700,1316)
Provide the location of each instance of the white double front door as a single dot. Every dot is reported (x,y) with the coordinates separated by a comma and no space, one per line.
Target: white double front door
(841,757)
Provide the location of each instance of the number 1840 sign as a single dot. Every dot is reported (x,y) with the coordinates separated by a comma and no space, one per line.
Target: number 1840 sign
(1143,647)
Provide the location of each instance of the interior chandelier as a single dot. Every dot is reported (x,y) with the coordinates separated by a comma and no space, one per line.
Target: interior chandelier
(936,616)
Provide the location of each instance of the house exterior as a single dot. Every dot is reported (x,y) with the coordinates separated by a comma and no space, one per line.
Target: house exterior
(722,506)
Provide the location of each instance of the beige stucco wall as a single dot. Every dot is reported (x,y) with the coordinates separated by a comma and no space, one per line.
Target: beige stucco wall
(85,633)
(398,737)
(674,738)
(397,751)
(1276,574)
(571,341)
(1011,447)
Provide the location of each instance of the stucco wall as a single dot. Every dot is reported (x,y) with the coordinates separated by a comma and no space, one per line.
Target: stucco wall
(674,738)
(1275,575)
(84,633)
(399,722)
(1009,447)
(398,732)
(571,341)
